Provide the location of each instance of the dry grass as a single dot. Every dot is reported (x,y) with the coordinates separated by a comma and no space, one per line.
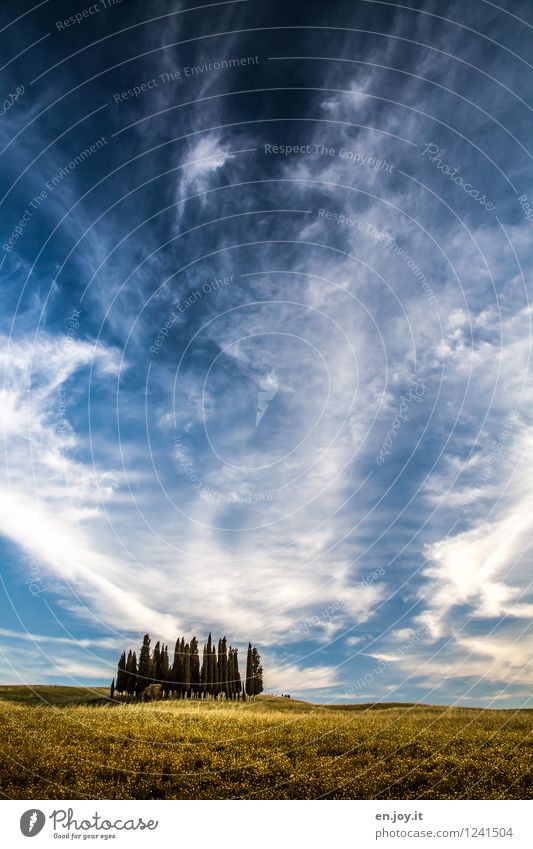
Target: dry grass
(272,749)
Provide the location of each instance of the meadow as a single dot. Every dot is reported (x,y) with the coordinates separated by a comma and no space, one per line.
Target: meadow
(70,743)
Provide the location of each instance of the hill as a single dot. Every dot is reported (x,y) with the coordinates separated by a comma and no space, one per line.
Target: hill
(56,696)
(272,748)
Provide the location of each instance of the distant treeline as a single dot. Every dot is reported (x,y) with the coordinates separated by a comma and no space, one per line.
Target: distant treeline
(155,675)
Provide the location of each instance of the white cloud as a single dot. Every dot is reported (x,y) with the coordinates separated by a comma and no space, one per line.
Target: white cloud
(47,496)
(296,679)
(107,643)
(207,156)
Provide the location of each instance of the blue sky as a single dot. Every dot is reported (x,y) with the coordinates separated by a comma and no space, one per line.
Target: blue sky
(266,339)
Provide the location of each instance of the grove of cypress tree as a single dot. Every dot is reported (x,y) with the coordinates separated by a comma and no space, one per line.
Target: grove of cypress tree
(218,673)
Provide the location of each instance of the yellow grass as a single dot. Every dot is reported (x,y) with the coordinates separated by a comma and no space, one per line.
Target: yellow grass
(270,749)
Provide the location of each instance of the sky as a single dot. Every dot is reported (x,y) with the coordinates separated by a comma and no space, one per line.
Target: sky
(265,341)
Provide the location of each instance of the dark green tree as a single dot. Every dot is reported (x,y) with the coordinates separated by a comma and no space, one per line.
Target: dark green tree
(216,684)
(257,671)
(183,670)
(187,671)
(112,690)
(121,685)
(231,674)
(195,667)
(177,669)
(165,672)
(222,666)
(144,669)
(236,673)
(204,673)
(210,678)
(156,664)
(249,685)
(131,673)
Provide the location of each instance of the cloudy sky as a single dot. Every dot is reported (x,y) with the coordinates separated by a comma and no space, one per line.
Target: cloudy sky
(266,339)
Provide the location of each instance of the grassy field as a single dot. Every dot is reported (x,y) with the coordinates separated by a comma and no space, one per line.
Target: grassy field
(66,742)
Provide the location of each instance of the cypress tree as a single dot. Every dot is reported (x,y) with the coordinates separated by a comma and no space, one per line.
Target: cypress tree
(127,671)
(165,672)
(121,674)
(183,670)
(214,666)
(222,666)
(231,674)
(187,672)
(236,673)
(156,664)
(143,672)
(249,672)
(177,669)
(195,667)
(257,672)
(131,667)
(203,673)
(112,690)
(210,671)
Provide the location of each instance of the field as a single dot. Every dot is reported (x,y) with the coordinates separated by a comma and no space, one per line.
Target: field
(66,742)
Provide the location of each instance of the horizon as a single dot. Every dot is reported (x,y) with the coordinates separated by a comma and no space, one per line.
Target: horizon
(266,695)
